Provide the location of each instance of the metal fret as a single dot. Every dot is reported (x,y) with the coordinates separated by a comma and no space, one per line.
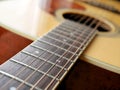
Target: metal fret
(51,45)
(50,68)
(72,28)
(60,41)
(85,30)
(66,68)
(33,68)
(40,79)
(43,59)
(47,51)
(59,46)
(72,64)
(68,38)
(61,32)
(54,61)
(18,79)
(75,30)
(72,33)
(72,40)
(10,67)
(66,34)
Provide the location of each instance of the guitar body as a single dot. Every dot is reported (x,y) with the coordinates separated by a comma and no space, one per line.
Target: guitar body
(25,21)
(32,19)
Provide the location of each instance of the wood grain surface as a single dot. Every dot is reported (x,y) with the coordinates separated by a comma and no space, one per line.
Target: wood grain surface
(10,44)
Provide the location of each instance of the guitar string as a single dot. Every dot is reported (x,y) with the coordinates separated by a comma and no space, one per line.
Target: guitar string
(18,73)
(26,68)
(59,71)
(46,72)
(53,79)
(56,76)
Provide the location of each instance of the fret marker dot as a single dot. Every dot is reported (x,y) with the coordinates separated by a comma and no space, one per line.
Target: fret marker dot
(64,40)
(37,52)
(12,88)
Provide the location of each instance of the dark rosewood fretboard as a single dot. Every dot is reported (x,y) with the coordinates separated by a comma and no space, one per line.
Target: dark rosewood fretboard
(44,63)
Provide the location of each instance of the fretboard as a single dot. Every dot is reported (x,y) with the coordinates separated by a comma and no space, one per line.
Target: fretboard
(44,63)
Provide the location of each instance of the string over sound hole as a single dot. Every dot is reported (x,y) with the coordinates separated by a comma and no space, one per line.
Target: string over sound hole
(82,18)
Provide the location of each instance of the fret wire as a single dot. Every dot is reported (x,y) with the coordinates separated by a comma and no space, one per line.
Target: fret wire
(66,37)
(52,45)
(33,68)
(43,59)
(72,28)
(63,74)
(62,32)
(52,52)
(45,75)
(8,65)
(54,38)
(60,41)
(75,30)
(77,27)
(18,79)
(60,71)
(56,45)
(59,31)
(16,75)
(40,79)
(10,69)
(38,68)
(48,71)
(71,38)
(8,81)
(84,41)
(71,65)
(48,51)
(65,33)
(69,31)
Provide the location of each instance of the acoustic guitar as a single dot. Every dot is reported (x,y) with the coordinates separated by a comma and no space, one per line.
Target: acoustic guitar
(45,62)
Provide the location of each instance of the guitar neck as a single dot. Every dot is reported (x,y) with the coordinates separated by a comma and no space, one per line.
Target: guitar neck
(44,63)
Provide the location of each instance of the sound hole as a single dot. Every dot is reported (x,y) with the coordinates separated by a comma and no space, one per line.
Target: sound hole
(79,18)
